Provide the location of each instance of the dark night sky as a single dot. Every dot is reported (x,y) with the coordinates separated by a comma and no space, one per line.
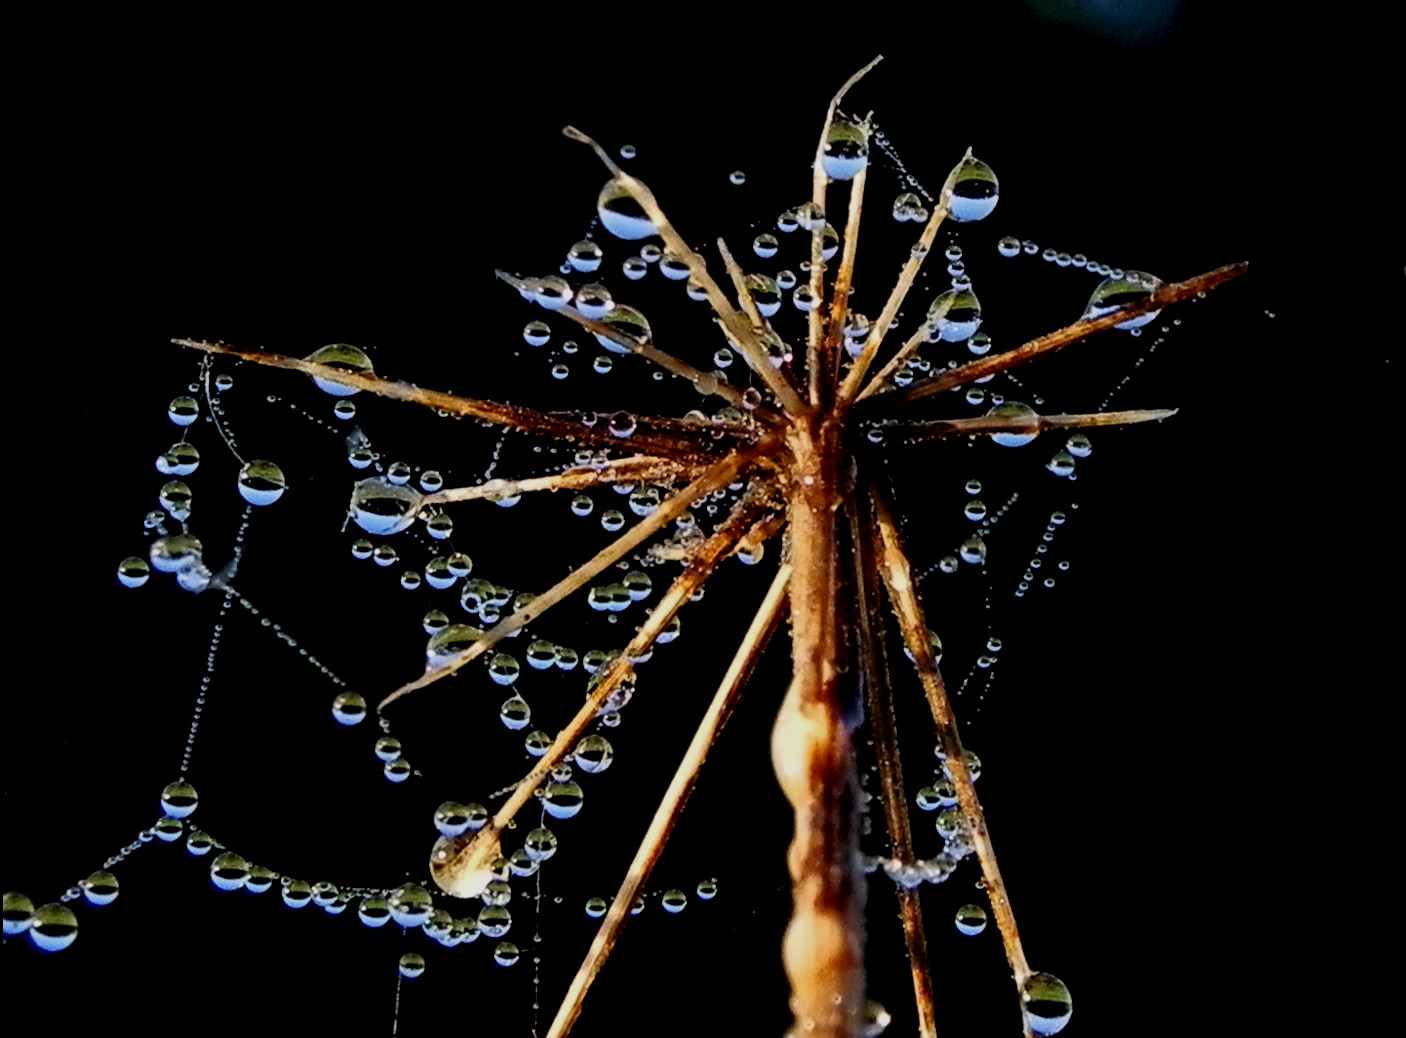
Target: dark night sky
(290,196)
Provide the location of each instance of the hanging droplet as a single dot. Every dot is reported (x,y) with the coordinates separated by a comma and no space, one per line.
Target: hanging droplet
(181,460)
(179,799)
(412,965)
(628,322)
(585,256)
(621,214)
(596,907)
(53,927)
(345,358)
(540,844)
(506,953)
(846,149)
(183,410)
(229,871)
(381,507)
(374,911)
(1045,1003)
(1012,410)
(1132,286)
(133,572)
(410,905)
(934,643)
(971,920)
(176,498)
(515,713)
(675,901)
(974,191)
(973,550)
(100,888)
(593,754)
(261,483)
(962,317)
(17,913)
(1062,464)
(562,799)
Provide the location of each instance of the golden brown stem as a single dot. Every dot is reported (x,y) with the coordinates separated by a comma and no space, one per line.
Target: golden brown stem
(619,470)
(903,596)
(873,665)
(813,757)
(667,437)
(675,797)
(822,327)
(912,432)
(1165,295)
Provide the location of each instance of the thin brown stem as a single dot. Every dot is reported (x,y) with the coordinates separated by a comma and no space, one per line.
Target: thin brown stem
(667,437)
(463,865)
(675,797)
(717,476)
(819,363)
(813,756)
(732,321)
(873,665)
(1021,425)
(1164,295)
(619,470)
(898,578)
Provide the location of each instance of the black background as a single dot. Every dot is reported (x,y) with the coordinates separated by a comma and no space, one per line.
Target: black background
(359,185)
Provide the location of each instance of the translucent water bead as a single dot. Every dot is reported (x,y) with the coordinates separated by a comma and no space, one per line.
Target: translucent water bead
(621,215)
(846,149)
(381,507)
(346,358)
(1045,1003)
(261,483)
(1132,286)
(971,920)
(179,799)
(53,927)
(974,191)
